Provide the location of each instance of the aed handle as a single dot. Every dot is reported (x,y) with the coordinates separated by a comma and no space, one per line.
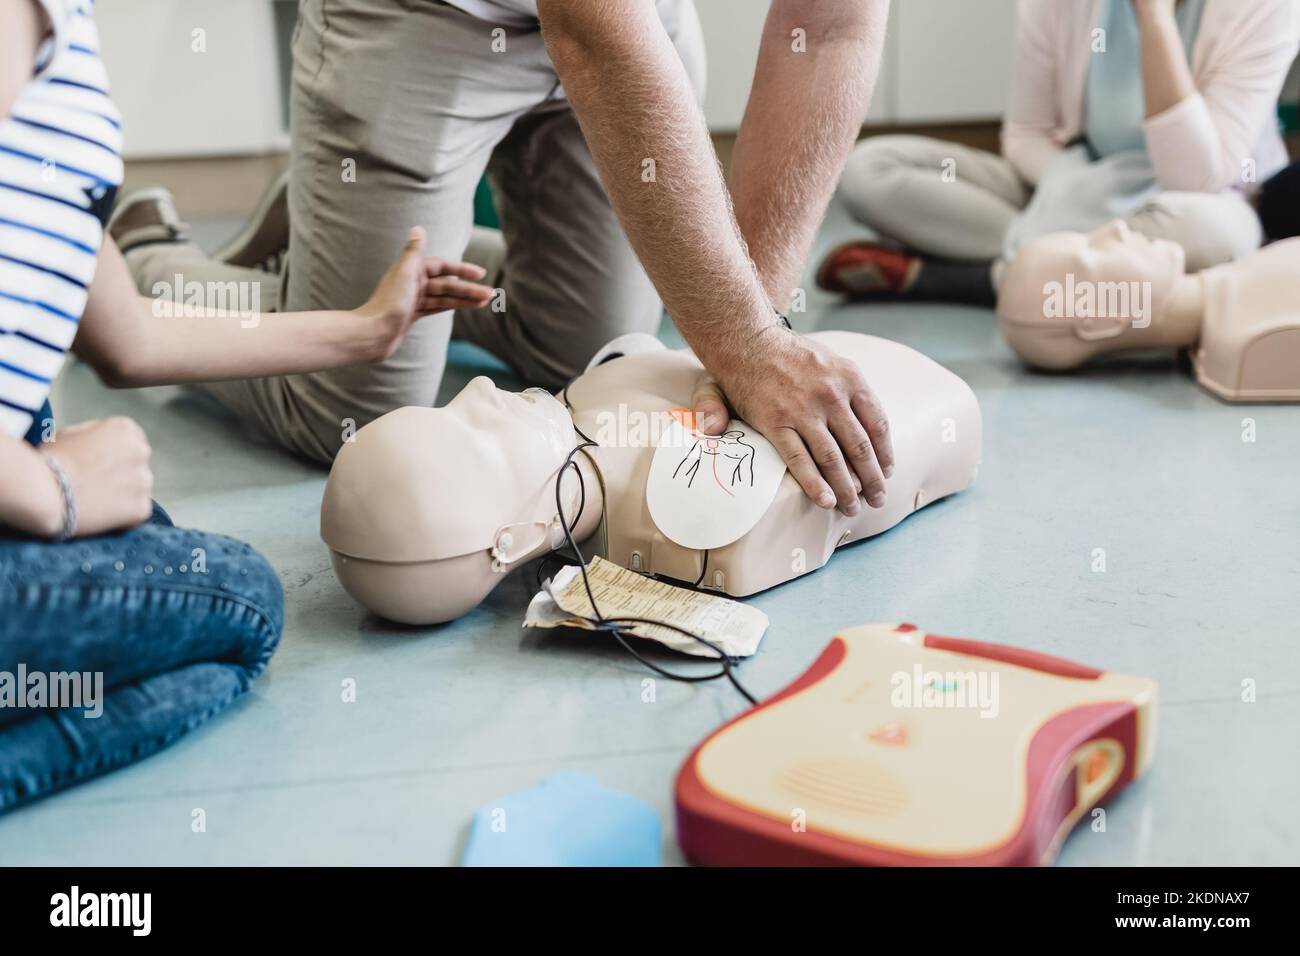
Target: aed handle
(1013,655)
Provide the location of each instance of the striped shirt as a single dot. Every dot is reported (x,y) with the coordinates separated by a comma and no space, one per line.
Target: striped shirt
(60,165)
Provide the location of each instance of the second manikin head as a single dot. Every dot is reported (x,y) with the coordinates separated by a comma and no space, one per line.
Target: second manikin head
(426,509)
(1068,297)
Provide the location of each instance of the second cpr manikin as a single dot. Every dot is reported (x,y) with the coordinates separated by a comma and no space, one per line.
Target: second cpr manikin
(428,509)
(1240,321)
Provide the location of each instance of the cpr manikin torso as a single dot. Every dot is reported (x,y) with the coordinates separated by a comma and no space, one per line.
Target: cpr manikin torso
(426,510)
(1058,308)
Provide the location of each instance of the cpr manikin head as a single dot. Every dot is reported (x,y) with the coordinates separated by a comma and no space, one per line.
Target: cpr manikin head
(426,508)
(1068,297)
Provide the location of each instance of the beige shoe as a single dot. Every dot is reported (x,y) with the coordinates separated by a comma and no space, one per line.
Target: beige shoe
(262,242)
(145,217)
(487,248)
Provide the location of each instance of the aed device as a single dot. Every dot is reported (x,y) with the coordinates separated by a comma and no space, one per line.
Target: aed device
(899,747)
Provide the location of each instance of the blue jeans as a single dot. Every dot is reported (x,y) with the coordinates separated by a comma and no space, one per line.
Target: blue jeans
(177,622)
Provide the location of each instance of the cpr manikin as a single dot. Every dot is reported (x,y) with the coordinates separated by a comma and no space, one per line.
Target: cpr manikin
(427,509)
(1070,297)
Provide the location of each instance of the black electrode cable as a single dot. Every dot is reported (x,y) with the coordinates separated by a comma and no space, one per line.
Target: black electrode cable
(611,625)
(564,394)
(704,568)
(614,625)
(583,435)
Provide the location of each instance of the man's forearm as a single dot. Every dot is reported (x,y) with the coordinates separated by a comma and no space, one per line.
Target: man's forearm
(816,71)
(647,135)
(630,94)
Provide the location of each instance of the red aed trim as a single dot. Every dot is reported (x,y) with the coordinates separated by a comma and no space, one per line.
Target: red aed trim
(714,832)
(1013,655)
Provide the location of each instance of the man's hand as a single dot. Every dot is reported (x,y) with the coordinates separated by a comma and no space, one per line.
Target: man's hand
(633,100)
(818,411)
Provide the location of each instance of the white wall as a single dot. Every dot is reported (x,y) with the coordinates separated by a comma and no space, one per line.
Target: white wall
(944,60)
(179,102)
(952,59)
(732,30)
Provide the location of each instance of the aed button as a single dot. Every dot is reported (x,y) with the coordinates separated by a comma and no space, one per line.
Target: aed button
(1096,766)
(895,735)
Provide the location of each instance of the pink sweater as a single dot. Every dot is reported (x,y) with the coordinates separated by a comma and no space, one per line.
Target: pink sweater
(1239,63)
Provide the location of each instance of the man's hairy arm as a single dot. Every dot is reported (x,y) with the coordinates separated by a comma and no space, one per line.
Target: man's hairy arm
(816,71)
(634,102)
(630,93)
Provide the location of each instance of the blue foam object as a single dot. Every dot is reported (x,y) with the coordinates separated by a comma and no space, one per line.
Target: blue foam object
(566,820)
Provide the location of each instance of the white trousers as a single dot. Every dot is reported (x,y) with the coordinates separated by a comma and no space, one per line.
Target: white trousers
(944,199)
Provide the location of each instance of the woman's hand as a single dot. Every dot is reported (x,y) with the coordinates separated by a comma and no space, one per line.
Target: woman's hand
(1144,8)
(416,286)
(107,464)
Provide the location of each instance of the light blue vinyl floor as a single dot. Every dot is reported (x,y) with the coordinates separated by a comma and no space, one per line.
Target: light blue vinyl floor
(1201,532)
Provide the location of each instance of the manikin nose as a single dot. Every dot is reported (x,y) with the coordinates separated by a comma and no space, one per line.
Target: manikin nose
(1120,230)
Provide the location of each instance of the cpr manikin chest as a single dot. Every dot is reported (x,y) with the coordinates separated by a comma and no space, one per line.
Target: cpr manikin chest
(427,510)
(899,747)
(1250,337)
(935,425)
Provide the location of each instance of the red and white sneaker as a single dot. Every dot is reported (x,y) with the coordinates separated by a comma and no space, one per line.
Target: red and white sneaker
(864,270)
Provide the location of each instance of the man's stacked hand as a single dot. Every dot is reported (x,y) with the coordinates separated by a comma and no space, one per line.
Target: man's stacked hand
(814,406)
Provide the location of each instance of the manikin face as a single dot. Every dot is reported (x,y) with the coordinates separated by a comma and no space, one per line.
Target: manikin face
(482,405)
(426,507)
(1065,295)
(428,483)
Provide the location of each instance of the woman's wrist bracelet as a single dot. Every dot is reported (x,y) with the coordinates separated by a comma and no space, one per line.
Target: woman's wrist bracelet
(69,500)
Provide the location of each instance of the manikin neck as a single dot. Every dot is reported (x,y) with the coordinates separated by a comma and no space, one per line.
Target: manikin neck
(1180,325)
(589,519)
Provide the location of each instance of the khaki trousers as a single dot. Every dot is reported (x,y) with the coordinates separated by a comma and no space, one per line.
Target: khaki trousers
(398,108)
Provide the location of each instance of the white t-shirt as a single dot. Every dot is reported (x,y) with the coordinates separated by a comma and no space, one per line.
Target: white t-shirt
(60,165)
(513,13)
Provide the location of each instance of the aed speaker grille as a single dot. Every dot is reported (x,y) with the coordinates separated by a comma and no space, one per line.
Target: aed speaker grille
(856,787)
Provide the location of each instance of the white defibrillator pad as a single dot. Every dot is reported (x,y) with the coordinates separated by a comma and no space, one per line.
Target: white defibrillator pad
(706,491)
